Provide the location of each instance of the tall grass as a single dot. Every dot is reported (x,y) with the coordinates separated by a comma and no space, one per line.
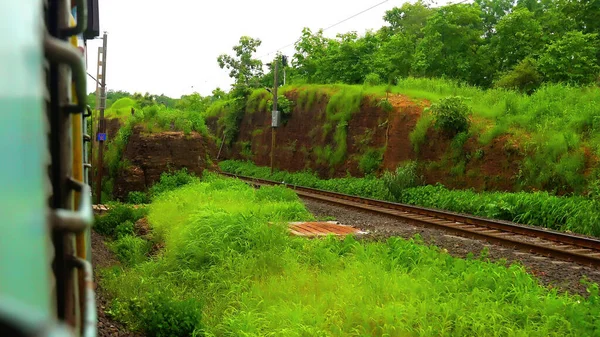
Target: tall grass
(573,213)
(229,268)
(553,126)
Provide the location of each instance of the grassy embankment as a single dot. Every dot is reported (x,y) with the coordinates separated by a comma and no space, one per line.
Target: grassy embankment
(228,267)
(152,119)
(555,129)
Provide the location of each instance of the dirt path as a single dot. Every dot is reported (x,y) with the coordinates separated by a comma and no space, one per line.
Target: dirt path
(102,258)
(560,274)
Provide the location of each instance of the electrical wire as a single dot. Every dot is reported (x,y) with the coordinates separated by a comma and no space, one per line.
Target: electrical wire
(335,24)
(349,18)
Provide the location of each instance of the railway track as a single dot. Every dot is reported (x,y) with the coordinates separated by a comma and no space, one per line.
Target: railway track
(537,240)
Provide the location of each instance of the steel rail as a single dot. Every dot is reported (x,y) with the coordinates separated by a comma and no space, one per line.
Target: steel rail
(546,242)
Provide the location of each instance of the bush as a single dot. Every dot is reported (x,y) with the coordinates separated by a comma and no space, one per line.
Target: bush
(372,79)
(130,250)
(160,315)
(524,77)
(124,228)
(137,198)
(371,161)
(385,105)
(451,115)
(107,224)
(404,177)
(172,180)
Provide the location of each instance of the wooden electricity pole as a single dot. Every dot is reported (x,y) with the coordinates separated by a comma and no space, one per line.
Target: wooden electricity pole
(101,135)
(275,113)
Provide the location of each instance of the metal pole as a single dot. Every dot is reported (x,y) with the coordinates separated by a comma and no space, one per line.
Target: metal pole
(101,125)
(273,131)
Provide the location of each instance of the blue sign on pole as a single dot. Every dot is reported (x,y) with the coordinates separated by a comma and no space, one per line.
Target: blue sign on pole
(101,137)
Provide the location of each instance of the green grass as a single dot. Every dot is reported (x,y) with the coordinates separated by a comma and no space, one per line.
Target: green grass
(229,268)
(121,109)
(553,126)
(257,102)
(564,213)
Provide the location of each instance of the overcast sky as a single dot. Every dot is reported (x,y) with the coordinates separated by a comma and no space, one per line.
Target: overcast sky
(171,47)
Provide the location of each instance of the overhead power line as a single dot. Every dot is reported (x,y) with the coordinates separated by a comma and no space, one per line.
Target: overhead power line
(335,24)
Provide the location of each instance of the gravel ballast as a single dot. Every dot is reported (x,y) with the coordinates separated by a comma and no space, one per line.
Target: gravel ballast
(560,274)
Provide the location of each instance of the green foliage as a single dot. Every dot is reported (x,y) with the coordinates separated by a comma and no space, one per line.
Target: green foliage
(372,80)
(572,58)
(160,315)
(137,198)
(257,101)
(124,228)
(130,249)
(116,148)
(242,67)
(524,78)
(370,186)
(340,108)
(569,213)
(405,176)
(170,181)
(418,135)
(246,151)
(284,105)
(371,160)
(451,115)
(120,109)
(385,105)
(108,224)
(233,251)
(158,118)
(476,43)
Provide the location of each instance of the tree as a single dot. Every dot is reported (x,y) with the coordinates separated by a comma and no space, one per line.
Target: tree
(408,19)
(572,59)
(518,35)
(395,56)
(449,47)
(311,49)
(218,94)
(193,102)
(242,67)
(492,11)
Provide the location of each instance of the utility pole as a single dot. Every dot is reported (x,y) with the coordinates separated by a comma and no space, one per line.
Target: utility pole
(275,113)
(101,135)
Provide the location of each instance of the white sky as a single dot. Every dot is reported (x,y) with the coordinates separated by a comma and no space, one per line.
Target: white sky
(171,47)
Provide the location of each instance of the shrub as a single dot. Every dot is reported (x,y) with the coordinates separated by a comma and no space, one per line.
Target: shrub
(372,79)
(451,115)
(137,198)
(130,250)
(404,177)
(371,161)
(385,105)
(524,77)
(124,228)
(172,180)
(107,224)
(161,315)
(284,105)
